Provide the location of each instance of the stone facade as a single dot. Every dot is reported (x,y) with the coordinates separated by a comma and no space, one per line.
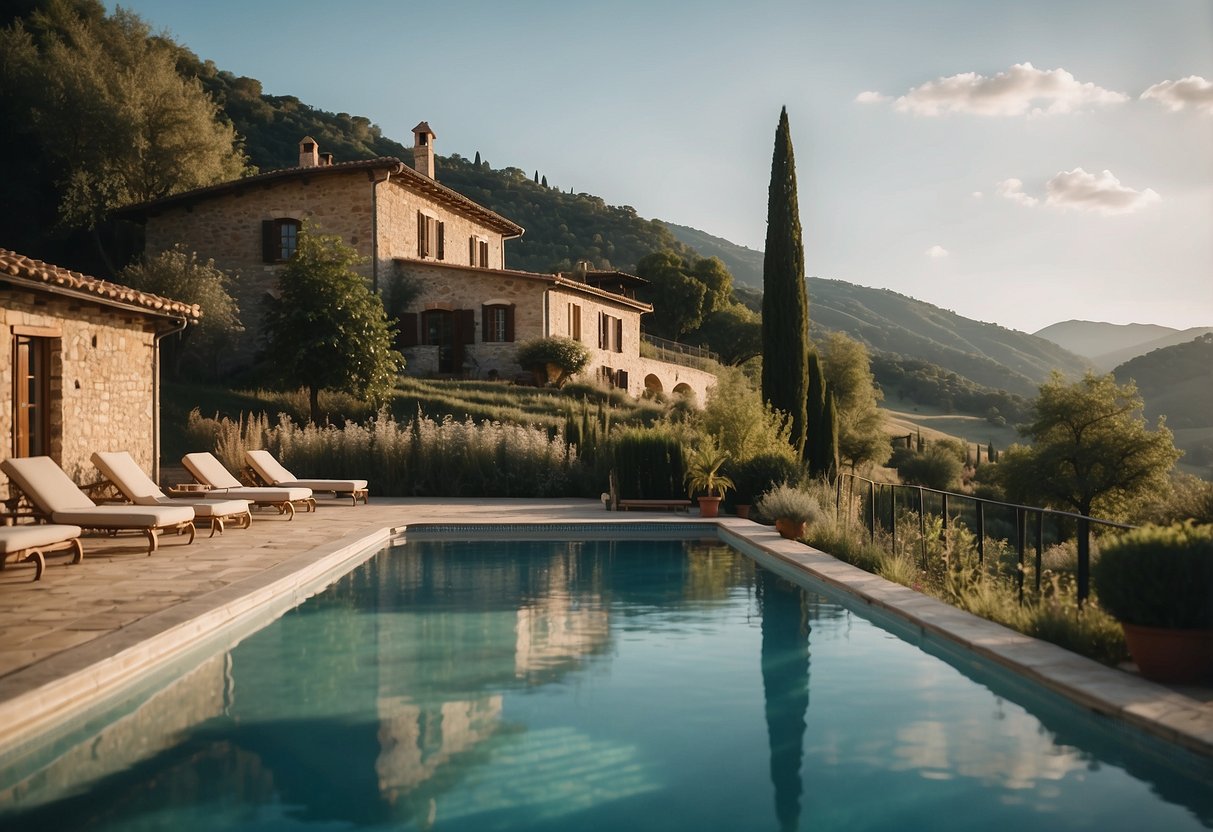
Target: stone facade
(101,371)
(382,208)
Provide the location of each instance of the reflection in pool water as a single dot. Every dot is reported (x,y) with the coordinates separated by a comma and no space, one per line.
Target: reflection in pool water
(595,685)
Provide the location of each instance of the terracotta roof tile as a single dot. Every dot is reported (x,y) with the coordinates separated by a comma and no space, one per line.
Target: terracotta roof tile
(38,273)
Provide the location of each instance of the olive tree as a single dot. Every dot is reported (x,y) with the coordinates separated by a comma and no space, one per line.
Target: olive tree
(328,330)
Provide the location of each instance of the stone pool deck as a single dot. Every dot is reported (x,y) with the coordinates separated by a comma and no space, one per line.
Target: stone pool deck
(86,628)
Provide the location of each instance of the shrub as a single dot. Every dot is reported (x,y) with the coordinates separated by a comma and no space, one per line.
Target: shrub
(786,502)
(755,476)
(553,360)
(649,464)
(1158,576)
(937,466)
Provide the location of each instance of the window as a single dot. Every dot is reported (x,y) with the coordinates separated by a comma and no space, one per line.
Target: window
(31,400)
(478,252)
(431,237)
(497,322)
(575,321)
(610,332)
(279,239)
(614,378)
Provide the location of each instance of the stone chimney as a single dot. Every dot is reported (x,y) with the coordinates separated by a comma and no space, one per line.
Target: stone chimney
(309,153)
(423,149)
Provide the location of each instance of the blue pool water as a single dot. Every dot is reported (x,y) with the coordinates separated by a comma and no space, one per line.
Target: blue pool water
(596,685)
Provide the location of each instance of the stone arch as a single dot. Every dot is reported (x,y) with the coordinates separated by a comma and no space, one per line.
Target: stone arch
(652,384)
(684,389)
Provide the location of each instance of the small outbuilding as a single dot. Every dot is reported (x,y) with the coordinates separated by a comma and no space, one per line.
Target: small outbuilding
(79,364)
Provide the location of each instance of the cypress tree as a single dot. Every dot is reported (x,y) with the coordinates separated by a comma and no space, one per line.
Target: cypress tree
(477,162)
(830,436)
(543,181)
(815,447)
(785,306)
(536,177)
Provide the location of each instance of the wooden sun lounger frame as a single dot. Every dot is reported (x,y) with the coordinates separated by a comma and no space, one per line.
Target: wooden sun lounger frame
(37,554)
(106,491)
(151,532)
(249,476)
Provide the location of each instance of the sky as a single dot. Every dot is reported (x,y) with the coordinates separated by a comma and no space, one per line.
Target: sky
(1022,163)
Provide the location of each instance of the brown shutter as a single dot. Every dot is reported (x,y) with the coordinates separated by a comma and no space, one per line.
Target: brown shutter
(621,379)
(486,330)
(619,335)
(270,244)
(471,251)
(509,322)
(407,335)
(420,234)
(465,326)
(441,241)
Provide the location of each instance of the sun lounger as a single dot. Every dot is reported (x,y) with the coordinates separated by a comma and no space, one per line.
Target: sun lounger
(270,471)
(30,542)
(209,471)
(56,498)
(121,469)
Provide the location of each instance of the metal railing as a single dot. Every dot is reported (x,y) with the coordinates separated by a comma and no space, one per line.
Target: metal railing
(676,353)
(880,508)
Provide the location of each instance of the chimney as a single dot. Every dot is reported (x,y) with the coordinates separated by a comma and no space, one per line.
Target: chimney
(423,149)
(326,160)
(309,153)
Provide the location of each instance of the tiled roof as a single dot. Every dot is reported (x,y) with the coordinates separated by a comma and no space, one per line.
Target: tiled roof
(37,274)
(419,181)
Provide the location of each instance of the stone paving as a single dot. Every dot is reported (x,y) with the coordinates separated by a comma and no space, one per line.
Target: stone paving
(85,627)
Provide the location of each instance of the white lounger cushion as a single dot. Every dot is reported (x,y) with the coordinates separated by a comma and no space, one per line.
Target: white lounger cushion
(17,538)
(53,492)
(210,471)
(125,517)
(121,469)
(271,470)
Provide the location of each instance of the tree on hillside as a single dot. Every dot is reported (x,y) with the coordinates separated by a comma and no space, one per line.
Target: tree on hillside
(103,100)
(848,375)
(677,297)
(1091,451)
(179,275)
(734,333)
(785,306)
(328,330)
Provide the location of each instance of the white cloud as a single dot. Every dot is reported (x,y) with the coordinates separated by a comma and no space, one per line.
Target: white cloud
(1102,194)
(1176,95)
(936,252)
(871,97)
(1023,89)
(977,195)
(1012,189)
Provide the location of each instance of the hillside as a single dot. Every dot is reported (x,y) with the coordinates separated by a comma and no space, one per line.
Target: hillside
(1095,338)
(1176,382)
(744,263)
(1111,360)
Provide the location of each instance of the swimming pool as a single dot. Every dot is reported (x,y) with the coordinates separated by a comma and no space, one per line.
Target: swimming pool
(596,684)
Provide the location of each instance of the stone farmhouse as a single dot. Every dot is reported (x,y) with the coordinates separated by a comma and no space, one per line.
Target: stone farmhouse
(79,364)
(470,310)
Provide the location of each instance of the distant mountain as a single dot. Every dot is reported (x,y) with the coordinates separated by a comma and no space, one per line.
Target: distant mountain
(744,263)
(1110,360)
(1175,381)
(1095,338)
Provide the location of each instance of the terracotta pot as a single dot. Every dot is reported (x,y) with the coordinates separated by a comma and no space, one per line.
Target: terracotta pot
(1169,655)
(791,529)
(742,510)
(709,506)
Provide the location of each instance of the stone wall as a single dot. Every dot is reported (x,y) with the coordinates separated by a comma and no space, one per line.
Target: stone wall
(398,207)
(101,393)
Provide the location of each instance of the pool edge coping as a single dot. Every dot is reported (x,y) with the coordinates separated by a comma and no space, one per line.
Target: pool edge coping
(39,697)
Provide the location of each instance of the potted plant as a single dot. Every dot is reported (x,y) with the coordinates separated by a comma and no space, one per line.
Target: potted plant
(790,508)
(703,477)
(758,474)
(1157,581)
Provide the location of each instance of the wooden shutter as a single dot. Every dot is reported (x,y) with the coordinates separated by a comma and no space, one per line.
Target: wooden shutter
(420,234)
(407,334)
(486,323)
(465,326)
(509,322)
(602,330)
(621,379)
(471,251)
(270,243)
(619,335)
(441,235)
(484,253)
